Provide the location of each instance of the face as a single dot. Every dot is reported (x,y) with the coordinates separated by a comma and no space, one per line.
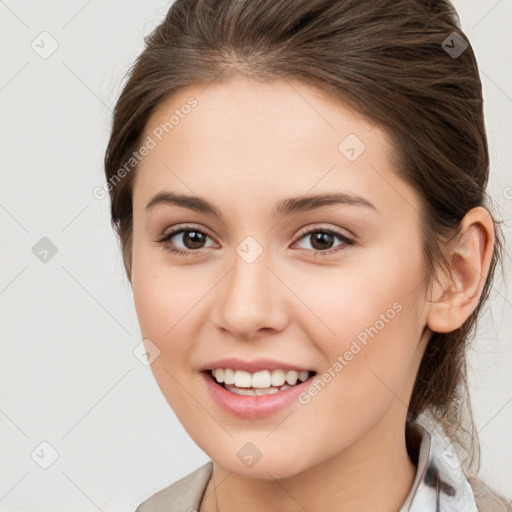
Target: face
(333,286)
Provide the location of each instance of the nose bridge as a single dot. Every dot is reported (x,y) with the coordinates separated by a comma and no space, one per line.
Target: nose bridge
(250,298)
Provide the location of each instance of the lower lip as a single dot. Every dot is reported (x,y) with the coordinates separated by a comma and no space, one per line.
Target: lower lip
(252,407)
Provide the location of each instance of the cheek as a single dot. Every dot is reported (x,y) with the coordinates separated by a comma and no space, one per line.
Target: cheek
(369,320)
(347,301)
(163,307)
(161,303)
(368,361)
(162,295)
(166,317)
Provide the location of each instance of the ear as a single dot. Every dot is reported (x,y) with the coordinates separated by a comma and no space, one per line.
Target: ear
(458,293)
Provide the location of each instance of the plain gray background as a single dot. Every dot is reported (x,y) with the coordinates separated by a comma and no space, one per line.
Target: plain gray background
(68,326)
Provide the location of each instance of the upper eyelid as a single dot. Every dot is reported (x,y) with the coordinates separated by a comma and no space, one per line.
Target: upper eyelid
(321,227)
(181,229)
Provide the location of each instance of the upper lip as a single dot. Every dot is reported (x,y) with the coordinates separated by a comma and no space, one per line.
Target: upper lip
(255,365)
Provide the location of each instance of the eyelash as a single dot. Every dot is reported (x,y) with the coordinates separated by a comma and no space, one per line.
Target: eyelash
(183,229)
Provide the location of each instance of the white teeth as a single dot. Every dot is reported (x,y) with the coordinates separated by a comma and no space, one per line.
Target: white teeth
(253,391)
(303,375)
(229,376)
(259,380)
(291,377)
(243,379)
(278,377)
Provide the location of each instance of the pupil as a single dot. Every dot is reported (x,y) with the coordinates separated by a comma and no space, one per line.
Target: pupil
(195,237)
(326,238)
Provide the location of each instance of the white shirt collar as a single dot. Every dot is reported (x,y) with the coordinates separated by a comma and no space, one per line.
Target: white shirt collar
(440,484)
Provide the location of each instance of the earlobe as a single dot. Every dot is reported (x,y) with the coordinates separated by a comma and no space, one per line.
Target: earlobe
(458,293)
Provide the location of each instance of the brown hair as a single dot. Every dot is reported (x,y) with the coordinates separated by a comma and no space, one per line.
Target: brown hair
(395,62)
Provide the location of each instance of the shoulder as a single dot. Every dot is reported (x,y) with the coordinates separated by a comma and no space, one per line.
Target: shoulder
(184,495)
(488,500)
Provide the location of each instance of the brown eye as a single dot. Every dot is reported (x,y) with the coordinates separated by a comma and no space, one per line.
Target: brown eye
(321,240)
(184,241)
(192,239)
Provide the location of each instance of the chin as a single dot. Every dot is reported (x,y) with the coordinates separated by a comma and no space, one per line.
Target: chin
(266,468)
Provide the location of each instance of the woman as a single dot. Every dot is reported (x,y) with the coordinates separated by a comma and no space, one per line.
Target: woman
(299,191)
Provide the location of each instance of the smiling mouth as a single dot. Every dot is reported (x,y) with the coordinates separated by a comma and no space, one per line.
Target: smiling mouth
(263,387)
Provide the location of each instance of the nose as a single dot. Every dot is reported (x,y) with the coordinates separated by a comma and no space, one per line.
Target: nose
(251,300)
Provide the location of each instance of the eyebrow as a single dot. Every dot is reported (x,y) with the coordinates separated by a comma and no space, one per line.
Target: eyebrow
(282,209)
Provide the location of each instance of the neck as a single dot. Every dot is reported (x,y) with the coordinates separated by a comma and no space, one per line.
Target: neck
(376,469)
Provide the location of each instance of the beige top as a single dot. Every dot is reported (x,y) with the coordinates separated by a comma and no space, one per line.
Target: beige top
(439,484)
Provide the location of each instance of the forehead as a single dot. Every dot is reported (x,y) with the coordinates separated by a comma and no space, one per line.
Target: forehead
(262,139)
(252,112)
